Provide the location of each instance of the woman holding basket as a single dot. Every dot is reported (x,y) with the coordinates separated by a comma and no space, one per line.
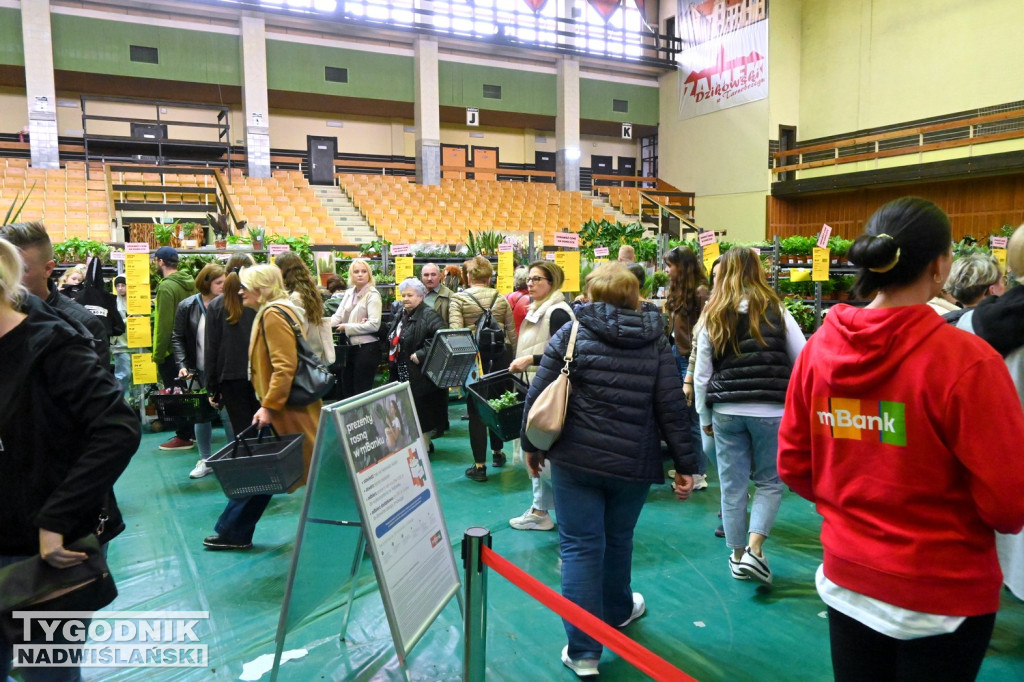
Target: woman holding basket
(273,357)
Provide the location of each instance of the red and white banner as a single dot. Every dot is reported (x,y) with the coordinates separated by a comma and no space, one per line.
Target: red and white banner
(724,62)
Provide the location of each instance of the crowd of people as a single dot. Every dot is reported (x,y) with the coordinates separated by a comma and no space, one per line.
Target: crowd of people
(859,419)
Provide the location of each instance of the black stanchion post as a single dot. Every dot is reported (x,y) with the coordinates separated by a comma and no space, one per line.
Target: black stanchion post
(474,658)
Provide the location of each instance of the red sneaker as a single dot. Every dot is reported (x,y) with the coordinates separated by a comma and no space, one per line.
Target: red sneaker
(177,443)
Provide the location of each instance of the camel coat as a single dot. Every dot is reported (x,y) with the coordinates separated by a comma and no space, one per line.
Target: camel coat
(272,362)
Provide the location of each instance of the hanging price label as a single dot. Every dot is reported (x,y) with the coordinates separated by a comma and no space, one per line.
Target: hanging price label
(601,251)
(569,240)
(143,369)
(136,268)
(997,242)
(401,249)
(140,334)
(403,268)
(711,252)
(137,297)
(1000,256)
(569,261)
(823,236)
(819,264)
(707,237)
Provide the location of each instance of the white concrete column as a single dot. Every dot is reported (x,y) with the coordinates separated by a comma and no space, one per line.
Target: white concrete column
(40,91)
(428,113)
(567,126)
(253,32)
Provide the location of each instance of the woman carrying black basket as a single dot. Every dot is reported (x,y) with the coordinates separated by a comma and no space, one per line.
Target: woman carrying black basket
(273,359)
(466,309)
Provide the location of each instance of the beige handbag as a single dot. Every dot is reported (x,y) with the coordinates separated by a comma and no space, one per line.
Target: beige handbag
(547,414)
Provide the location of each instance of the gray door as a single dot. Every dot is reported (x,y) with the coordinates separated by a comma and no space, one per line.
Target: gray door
(322,151)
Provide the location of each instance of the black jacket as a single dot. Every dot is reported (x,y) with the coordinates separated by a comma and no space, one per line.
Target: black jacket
(227,345)
(759,373)
(66,431)
(626,396)
(186,331)
(72,312)
(94,296)
(418,331)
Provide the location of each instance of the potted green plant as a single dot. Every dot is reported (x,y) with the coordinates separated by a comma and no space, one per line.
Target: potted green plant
(326,266)
(659,284)
(165,233)
(221,228)
(797,249)
(257,235)
(13,211)
(802,312)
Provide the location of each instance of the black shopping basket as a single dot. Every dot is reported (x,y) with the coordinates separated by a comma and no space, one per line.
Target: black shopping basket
(265,467)
(186,406)
(508,421)
(451,357)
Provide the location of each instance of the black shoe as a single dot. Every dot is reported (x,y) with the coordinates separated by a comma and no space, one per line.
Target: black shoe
(218,542)
(430,448)
(477,473)
(720,532)
(498,459)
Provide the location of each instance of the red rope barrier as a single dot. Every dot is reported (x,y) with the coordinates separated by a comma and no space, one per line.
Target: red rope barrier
(644,659)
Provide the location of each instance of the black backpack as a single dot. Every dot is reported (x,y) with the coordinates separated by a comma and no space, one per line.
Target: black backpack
(489,335)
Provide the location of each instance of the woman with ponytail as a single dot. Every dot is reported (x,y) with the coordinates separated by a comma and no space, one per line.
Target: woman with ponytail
(896,427)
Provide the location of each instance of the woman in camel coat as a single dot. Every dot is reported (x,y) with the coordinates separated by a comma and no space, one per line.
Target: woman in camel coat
(272,362)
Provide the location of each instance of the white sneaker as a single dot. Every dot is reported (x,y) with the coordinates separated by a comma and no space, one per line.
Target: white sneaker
(755,567)
(531,521)
(639,607)
(583,667)
(201,470)
(700,482)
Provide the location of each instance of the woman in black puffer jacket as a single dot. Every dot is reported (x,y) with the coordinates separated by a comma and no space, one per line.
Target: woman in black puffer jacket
(626,398)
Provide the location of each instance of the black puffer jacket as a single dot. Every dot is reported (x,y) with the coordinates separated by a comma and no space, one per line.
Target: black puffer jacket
(66,433)
(758,373)
(626,396)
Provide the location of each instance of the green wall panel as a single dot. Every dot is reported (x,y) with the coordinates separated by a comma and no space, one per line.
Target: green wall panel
(524,92)
(11,51)
(596,102)
(99,46)
(300,68)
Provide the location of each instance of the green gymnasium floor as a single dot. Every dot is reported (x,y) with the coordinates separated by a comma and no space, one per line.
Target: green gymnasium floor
(698,617)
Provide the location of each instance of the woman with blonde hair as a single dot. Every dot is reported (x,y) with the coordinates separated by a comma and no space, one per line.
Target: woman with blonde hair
(745,353)
(548,313)
(273,357)
(305,295)
(358,318)
(625,380)
(465,311)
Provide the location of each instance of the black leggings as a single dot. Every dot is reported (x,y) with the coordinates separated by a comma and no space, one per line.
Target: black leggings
(860,654)
(478,433)
(360,369)
(240,401)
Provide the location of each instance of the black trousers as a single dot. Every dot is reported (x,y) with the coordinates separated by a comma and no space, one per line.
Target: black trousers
(478,433)
(860,654)
(360,369)
(168,370)
(240,401)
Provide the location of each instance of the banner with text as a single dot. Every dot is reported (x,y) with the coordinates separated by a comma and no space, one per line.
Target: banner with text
(724,62)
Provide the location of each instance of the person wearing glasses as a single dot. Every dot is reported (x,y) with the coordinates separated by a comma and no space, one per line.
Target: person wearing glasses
(548,313)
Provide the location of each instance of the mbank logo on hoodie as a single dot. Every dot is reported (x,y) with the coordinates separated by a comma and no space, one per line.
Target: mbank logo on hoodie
(854,419)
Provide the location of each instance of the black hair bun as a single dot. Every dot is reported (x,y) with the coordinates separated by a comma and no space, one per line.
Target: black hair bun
(872,251)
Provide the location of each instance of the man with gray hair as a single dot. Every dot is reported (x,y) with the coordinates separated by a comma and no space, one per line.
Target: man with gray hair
(439,297)
(971,279)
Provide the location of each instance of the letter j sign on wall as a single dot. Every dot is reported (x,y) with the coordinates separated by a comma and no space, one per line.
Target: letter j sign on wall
(472,116)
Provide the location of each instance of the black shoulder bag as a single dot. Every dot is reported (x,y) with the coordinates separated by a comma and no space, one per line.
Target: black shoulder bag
(312,378)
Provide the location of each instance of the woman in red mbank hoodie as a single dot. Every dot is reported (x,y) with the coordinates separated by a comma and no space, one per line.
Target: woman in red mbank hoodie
(896,427)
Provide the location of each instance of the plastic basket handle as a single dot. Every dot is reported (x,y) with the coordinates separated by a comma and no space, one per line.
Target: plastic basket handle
(240,439)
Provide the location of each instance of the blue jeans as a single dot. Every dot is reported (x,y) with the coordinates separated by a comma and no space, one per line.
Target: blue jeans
(596,517)
(237,522)
(123,371)
(695,430)
(34,674)
(747,449)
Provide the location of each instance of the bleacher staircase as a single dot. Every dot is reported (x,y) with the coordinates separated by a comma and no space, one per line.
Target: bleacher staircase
(349,222)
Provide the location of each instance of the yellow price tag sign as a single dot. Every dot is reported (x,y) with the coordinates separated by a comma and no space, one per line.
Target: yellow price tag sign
(598,261)
(820,264)
(711,252)
(136,268)
(140,332)
(569,261)
(138,299)
(506,264)
(403,268)
(143,369)
(505,284)
(1000,255)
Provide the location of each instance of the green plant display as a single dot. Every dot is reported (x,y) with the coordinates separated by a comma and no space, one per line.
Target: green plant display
(300,245)
(507,399)
(191,265)
(374,248)
(802,312)
(484,243)
(165,233)
(797,246)
(613,235)
(76,250)
(658,280)
(838,246)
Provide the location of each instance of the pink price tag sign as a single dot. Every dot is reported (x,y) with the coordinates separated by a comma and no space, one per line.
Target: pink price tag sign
(278,249)
(401,249)
(117,255)
(707,238)
(136,247)
(506,247)
(997,242)
(568,240)
(601,251)
(823,236)
(550,255)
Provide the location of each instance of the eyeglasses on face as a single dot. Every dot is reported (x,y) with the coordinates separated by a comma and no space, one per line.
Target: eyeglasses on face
(534,280)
